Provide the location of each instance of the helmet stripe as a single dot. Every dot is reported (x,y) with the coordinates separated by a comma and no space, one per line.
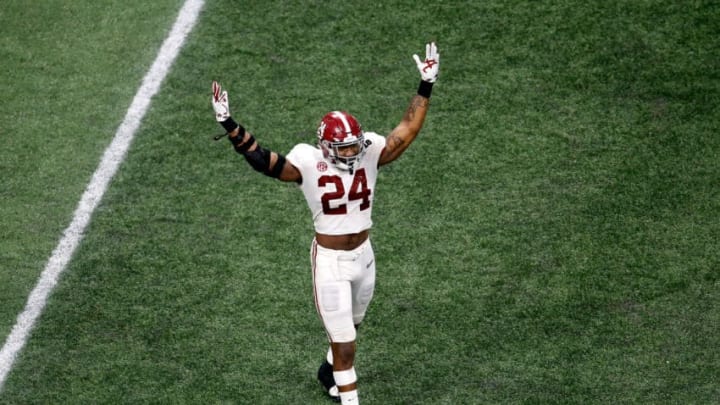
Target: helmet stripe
(343,118)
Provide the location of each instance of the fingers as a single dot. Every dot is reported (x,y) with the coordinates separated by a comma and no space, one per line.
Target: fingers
(417,60)
(216,90)
(431,51)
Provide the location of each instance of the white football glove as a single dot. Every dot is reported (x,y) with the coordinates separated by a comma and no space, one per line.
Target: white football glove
(220,102)
(429,67)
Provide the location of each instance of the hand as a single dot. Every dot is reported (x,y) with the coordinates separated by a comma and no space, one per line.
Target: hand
(430,66)
(220,102)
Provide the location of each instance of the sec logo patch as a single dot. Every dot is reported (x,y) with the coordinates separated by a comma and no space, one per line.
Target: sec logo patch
(322,166)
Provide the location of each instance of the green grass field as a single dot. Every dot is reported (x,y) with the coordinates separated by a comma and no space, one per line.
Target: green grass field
(551,236)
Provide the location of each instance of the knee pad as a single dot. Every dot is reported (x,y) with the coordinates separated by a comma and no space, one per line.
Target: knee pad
(335,309)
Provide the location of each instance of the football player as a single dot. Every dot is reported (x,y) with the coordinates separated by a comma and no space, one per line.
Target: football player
(337,177)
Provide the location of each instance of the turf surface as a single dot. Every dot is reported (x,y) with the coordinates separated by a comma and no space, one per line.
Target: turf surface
(551,237)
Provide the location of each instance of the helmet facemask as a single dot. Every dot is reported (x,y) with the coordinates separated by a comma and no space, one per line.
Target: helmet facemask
(337,152)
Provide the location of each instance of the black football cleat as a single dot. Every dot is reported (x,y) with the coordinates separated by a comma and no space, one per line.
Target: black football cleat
(325,376)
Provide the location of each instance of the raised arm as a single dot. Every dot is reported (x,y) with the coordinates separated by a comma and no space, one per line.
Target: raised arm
(263,160)
(405,132)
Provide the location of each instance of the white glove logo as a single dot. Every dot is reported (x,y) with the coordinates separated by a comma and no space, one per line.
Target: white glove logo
(430,66)
(220,102)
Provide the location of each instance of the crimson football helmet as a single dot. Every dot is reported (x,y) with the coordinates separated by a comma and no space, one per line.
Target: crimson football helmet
(341,139)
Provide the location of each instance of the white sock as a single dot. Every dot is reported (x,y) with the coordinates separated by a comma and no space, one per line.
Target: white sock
(329,356)
(349,398)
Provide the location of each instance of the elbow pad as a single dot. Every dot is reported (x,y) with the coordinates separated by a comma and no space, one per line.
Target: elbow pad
(259,159)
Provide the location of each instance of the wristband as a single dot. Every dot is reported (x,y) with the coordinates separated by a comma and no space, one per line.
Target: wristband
(425,89)
(229,125)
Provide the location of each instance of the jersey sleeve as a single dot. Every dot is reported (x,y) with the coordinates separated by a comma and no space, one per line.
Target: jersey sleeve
(300,156)
(374,145)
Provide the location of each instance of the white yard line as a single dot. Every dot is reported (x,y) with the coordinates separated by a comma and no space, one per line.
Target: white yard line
(111,160)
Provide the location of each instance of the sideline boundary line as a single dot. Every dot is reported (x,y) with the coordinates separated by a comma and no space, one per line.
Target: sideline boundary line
(111,160)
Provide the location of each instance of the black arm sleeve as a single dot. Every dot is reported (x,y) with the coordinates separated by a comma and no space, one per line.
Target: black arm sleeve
(259,159)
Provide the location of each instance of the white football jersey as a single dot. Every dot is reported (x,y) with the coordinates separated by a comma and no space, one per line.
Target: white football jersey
(340,202)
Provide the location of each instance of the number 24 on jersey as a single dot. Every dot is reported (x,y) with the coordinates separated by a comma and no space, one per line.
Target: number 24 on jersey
(358,191)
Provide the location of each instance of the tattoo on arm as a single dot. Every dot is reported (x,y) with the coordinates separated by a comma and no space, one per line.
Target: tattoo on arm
(394,141)
(398,140)
(415,104)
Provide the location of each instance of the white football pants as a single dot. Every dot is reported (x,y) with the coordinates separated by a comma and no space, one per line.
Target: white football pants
(343,285)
